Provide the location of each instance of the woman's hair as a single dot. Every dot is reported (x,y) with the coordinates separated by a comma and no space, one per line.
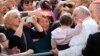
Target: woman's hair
(45,5)
(37,4)
(66,20)
(66,9)
(23,2)
(7,17)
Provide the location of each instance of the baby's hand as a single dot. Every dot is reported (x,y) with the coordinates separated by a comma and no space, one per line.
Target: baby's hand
(30,51)
(55,51)
(80,20)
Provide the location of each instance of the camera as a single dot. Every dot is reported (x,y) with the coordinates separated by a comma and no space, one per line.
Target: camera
(24,14)
(28,19)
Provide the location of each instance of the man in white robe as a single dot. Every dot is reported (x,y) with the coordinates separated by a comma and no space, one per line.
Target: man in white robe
(78,42)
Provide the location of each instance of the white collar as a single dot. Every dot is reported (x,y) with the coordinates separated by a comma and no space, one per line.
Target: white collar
(88,17)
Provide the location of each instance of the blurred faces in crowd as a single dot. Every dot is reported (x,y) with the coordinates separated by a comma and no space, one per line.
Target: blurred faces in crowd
(25,5)
(94,9)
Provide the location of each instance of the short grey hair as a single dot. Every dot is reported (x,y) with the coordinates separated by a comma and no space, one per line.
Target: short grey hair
(85,9)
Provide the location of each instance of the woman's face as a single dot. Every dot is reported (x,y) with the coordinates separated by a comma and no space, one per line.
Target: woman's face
(3,9)
(10,3)
(27,6)
(17,2)
(44,23)
(15,20)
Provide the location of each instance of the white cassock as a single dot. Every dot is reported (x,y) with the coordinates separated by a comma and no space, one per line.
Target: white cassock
(78,42)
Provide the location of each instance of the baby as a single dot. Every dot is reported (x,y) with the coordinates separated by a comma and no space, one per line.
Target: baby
(63,34)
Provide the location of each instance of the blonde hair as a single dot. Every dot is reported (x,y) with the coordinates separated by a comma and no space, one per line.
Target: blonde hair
(8,16)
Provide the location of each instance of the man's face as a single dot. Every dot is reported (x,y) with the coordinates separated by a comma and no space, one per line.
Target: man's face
(95,11)
(76,15)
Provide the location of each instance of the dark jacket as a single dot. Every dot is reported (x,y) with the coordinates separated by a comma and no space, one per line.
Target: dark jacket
(19,42)
(93,45)
(44,43)
(2,29)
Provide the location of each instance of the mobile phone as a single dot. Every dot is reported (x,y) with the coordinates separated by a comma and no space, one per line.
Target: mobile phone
(29,19)
(24,14)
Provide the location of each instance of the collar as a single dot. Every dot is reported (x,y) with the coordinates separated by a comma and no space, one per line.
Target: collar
(88,17)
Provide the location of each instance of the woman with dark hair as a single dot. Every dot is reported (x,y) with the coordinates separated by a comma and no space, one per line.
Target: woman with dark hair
(25,5)
(46,7)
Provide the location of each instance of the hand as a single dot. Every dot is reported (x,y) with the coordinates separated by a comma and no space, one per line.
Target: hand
(23,20)
(14,50)
(55,51)
(27,53)
(30,51)
(76,21)
(34,19)
(59,5)
(80,21)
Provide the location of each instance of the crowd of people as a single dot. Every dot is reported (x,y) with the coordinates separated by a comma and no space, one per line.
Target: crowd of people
(63,27)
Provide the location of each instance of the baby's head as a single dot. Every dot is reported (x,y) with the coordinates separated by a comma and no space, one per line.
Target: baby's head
(66,19)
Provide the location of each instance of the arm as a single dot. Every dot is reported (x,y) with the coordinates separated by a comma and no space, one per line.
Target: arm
(77,30)
(19,30)
(53,43)
(35,23)
(54,47)
(27,53)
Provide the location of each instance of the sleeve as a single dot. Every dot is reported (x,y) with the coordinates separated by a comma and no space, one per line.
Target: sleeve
(13,39)
(10,55)
(72,51)
(92,46)
(15,55)
(35,34)
(76,30)
(53,41)
(88,47)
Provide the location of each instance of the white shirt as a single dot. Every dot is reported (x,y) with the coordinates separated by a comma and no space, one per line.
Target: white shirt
(79,41)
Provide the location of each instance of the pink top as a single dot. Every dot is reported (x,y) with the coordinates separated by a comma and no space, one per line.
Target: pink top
(62,36)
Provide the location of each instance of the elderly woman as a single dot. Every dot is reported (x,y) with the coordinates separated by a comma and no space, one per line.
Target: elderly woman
(17,34)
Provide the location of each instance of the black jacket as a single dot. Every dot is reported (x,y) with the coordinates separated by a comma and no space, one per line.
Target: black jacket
(19,42)
(93,45)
